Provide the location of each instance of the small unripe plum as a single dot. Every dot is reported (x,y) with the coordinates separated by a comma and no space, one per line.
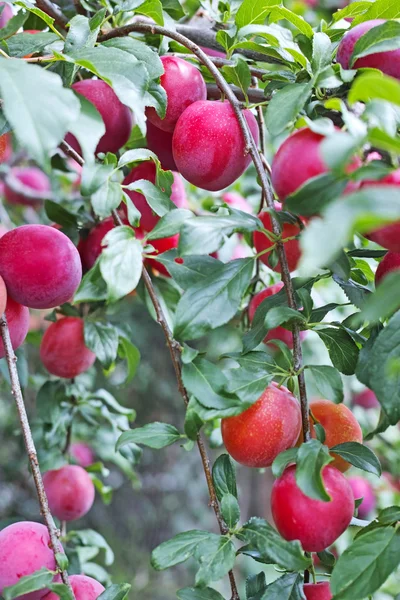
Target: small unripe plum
(367,399)
(84,588)
(363,489)
(117,117)
(163,245)
(18,324)
(318,591)
(340,426)
(6,14)
(5,145)
(183,84)
(70,492)
(315,523)
(26,179)
(24,549)
(147,170)
(292,247)
(388,62)
(40,266)
(237,201)
(160,142)
(389,263)
(63,351)
(270,426)
(82,454)
(90,248)
(277,333)
(387,236)
(208,144)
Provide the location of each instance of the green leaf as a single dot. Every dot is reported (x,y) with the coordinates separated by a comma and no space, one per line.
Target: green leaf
(107,198)
(91,538)
(83,32)
(283,460)
(252,12)
(192,269)
(212,303)
(255,586)
(121,262)
(152,9)
(278,13)
(357,294)
(285,106)
(102,339)
(13,25)
(158,200)
(45,109)
(327,558)
(366,564)
(248,385)
(322,52)
(117,591)
(141,51)
(384,372)
(224,476)
(62,590)
(315,194)
(170,223)
(287,587)
(382,38)
(282,314)
(272,547)
(311,459)
(88,130)
(328,382)
(178,549)
(198,594)
(173,8)
(21,44)
(360,456)
(30,583)
(216,556)
(373,86)
(230,510)
(207,383)
(342,349)
(129,352)
(238,74)
(353,9)
(384,302)
(39,13)
(154,435)
(380,9)
(92,287)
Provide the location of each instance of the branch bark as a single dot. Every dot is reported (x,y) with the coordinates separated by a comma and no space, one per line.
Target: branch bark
(30,446)
(255,96)
(54,12)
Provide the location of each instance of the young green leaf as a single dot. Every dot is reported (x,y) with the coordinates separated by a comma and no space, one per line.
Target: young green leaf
(312,457)
(255,586)
(283,460)
(102,339)
(342,349)
(179,548)
(199,594)
(216,556)
(287,587)
(230,510)
(360,456)
(224,476)
(154,435)
(117,591)
(328,382)
(121,262)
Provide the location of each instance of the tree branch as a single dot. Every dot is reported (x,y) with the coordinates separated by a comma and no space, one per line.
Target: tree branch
(50,9)
(30,445)
(255,96)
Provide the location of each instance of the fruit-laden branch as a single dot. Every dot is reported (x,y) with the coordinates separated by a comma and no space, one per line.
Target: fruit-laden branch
(175,352)
(30,446)
(251,148)
(255,96)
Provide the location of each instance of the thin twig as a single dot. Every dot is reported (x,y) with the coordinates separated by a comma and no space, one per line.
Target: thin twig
(251,148)
(30,446)
(50,9)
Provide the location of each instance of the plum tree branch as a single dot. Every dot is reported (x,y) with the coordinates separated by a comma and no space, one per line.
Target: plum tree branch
(53,11)
(251,148)
(255,96)
(30,446)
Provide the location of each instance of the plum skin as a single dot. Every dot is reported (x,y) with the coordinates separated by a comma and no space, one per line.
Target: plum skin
(318,591)
(40,266)
(183,84)
(389,263)
(316,524)
(24,549)
(160,142)
(208,144)
(18,324)
(363,489)
(84,588)
(63,350)
(30,178)
(70,492)
(271,425)
(82,454)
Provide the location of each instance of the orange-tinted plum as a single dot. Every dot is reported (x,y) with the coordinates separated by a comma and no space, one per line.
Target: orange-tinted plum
(340,426)
(270,426)
(183,84)
(21,181)
(292,247)
(318,591)
(363,489)
(40,266)
(316,524)
(163,245)
(5,147)
(6,14)
(388,62)
(24,549)
(389,263)
(90,248)
(70,492)
(277,333)
(63,351)
(3,296)
(18,324)
(82,454)
(117,117)
(367,399)
(147,170)
(160,142)
(208,144)
(387,236)
(237,201)
(84,588)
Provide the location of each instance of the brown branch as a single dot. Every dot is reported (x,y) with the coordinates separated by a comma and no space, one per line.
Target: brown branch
(254,96)
(251,148)
(30,445)
(222,62)
(50,9)
(79,8)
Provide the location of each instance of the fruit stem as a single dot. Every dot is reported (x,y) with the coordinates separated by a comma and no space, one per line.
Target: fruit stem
(30,446)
